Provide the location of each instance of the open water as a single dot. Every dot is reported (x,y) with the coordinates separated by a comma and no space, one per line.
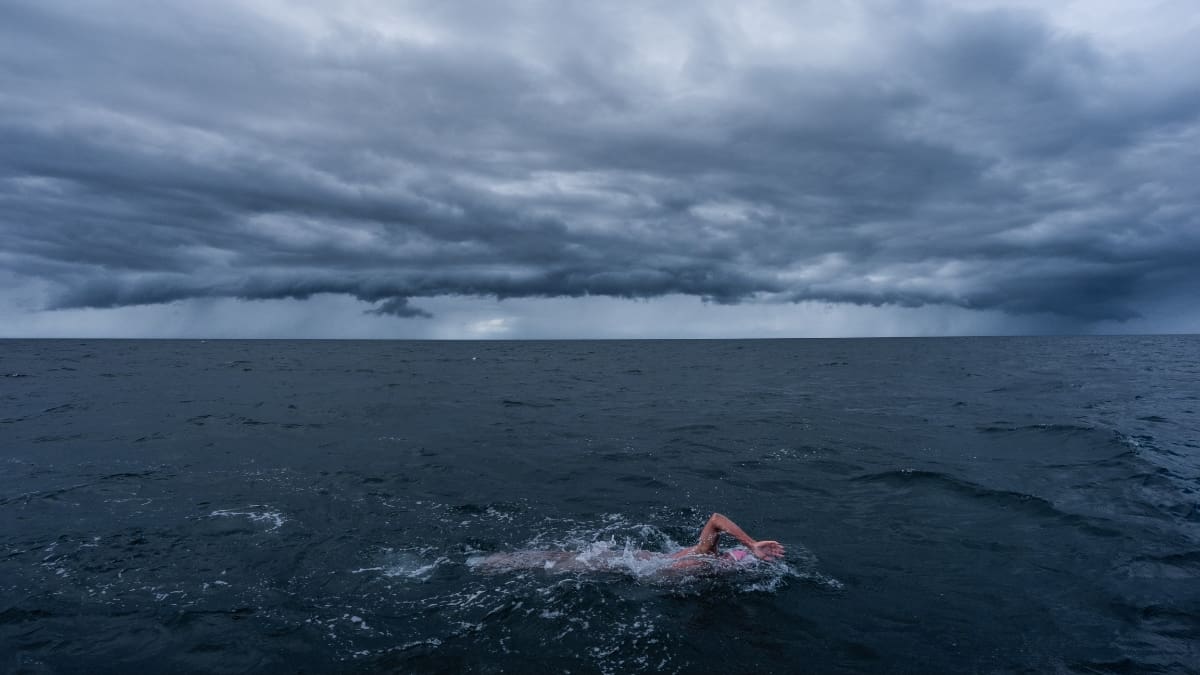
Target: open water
(948,505)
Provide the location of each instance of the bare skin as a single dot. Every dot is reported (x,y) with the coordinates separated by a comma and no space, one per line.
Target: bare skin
(711,534)
(691,557)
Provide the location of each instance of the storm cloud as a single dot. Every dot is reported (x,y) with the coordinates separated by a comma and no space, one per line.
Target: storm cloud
(985,157)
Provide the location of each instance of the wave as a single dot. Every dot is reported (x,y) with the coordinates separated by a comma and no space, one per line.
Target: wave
(698,428)
(514,403)
(1001,428)
(274,519)
(51,493)
(1009,499)
(1088,439)
(1180,565)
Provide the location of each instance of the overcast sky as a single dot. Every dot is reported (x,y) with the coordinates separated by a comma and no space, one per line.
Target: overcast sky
(598,169)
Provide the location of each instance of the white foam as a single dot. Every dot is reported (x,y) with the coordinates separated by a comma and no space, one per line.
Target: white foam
(410,564)
(411,570)
(275,518)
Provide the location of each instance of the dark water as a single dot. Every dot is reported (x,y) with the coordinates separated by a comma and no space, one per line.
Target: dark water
(948,505)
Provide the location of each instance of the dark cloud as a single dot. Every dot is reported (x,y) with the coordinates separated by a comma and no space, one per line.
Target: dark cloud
(901,154)
(398,306)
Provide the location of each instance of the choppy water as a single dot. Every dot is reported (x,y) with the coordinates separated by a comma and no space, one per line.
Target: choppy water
(1023,504)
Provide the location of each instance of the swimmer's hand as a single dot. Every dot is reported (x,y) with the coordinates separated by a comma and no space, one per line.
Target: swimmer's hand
(767,549)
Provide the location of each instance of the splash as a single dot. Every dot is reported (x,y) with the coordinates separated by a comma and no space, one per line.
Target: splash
(414,564)
(643,552)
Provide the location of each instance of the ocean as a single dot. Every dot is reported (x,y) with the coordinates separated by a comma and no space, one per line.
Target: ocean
(947,505)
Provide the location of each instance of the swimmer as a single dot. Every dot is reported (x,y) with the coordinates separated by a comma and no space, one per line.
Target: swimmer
(702,555)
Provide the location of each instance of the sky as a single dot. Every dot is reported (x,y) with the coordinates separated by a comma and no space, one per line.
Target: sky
(461,170)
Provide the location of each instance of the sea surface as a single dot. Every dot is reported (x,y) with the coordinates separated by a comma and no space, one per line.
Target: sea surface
(947,505)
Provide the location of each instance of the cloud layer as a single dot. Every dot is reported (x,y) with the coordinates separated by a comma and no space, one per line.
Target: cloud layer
(903,154)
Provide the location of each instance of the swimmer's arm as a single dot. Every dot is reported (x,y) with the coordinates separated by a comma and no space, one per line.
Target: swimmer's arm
(717,523)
